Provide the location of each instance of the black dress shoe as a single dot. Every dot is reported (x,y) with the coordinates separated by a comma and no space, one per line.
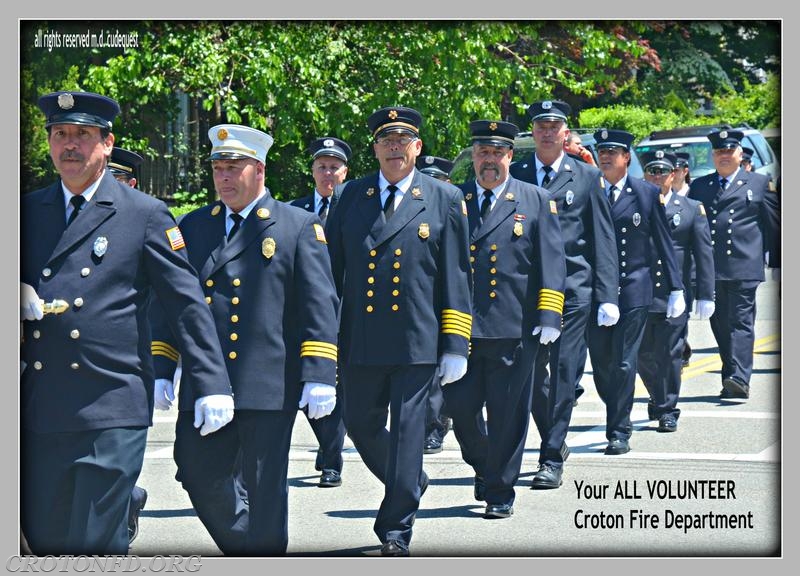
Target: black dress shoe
(546,478)
(480,489)
(330,479)
(564,451)
(138,500)
(617,446)
(686,354)
(667,423)
(735,388)
(394,548)
(432,446)
(498,511)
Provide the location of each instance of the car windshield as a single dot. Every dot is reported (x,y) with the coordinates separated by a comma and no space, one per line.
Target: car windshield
(700,162)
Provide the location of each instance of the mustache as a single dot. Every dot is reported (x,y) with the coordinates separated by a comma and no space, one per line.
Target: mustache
(71,155)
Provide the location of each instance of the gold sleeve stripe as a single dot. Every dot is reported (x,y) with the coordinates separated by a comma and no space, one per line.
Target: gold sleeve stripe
(458,332)
(319,349)
(455,322)
(159,348)
(455,314)
(551,300)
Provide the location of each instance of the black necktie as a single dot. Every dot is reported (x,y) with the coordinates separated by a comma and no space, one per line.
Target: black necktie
(237,222)
(546,179)
(723,183)
(323,209)
(611,194)
(486,203)
(388,206)
(77,202)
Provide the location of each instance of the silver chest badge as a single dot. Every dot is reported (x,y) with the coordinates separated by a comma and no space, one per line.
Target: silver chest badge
(749,195)
(100,246)
(676,219)
(570,197)
(637,219)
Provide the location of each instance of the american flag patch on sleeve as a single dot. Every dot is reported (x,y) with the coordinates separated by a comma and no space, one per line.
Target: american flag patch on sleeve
(175,238)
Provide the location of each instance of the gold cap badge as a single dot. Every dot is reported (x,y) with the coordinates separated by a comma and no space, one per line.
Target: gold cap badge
(222,134)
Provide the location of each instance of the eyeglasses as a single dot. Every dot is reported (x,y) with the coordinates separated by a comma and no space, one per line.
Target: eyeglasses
(658,171)
(401,141)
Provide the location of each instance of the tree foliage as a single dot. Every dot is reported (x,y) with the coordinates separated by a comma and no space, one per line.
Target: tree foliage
(299,80)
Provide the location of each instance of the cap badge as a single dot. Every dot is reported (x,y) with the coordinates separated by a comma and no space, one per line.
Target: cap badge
(262,213)
(546,105)
(659,153)
(222,134)
(570,197)
(676,220)
(328,143)
(518,230)
(100,246)
(493,126)
(604,134)
(392,114)
(723,134)
(215,210)
(637,218)
(416,193)
(424,231)
(370,192)
(429,160)
(66,101)
(268,247)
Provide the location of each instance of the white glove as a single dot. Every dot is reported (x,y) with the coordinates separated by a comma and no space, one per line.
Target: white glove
(548,334)
(212,412)
(164,394)
(320,399)
(30,306)
(452,367)
(704,309)
(607,314)
(676,305)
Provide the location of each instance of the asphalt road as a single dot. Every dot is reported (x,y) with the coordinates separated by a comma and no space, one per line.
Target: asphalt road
(730,451)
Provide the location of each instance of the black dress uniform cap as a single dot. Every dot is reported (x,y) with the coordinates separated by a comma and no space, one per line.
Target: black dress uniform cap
(660,158)
(394,119)
(232,142)
(549,110)
(434,166)
(493,132)
(613,139)
(330,146)
(726,139)
(124,162)
(84,108)
(682,159)
(747,153)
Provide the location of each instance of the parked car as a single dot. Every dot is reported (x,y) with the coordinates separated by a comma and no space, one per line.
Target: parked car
(524,145)
(694,140)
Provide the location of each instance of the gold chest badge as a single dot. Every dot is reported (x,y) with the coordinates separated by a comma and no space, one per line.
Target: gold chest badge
(268,247)
(518,229)
(424,231)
